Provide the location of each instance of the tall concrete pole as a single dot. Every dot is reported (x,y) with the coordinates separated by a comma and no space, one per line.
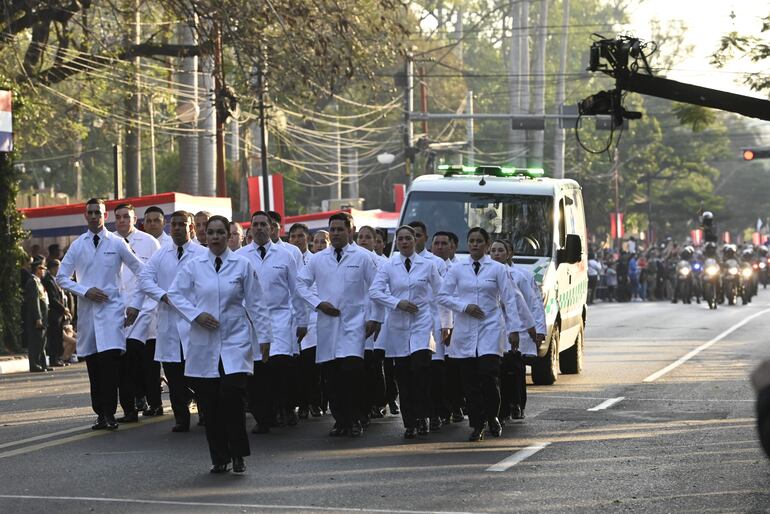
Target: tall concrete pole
(560,137)
(133,155)
(207,125)
(188,109)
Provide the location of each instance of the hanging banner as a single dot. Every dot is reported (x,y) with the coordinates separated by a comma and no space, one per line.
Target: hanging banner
(6,121)
(616,225)
(275,190)
(697,237)
(399,192)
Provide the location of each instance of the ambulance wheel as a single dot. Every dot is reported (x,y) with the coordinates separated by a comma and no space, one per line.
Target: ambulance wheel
(571,359)
(546,369)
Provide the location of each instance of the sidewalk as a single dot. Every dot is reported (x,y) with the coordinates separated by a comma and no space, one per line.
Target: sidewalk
(13,364)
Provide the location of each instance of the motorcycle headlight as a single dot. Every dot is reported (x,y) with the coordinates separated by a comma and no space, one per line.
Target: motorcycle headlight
(712,270)
(733,271)
(747,273)
(684,272)
(762,265)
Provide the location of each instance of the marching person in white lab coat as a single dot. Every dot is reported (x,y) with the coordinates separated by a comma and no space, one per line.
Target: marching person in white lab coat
(218,293)
(173,339)
(342,274)
(139,373)
(513,380)
(275,236)
(374,354)
(276,397)
(476,290)
(154,223)
(98,258)
(406,285)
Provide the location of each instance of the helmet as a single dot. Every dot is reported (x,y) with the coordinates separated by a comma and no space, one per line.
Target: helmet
(763,250)
(707,215)
(729,250)
(710,248)
(748,252)
(687,252)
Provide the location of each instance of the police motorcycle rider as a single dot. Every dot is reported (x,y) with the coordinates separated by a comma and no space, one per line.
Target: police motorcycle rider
(763,261)
(683,276)
(697,275)
(711,277)
(731,278)
(748,274)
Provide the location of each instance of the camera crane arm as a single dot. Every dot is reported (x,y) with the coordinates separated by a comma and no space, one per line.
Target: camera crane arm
(625,60)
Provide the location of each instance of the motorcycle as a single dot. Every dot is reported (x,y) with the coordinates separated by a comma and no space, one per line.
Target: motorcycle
(683,285)
(763,271)
(731,281)
(746,282)
(711,278)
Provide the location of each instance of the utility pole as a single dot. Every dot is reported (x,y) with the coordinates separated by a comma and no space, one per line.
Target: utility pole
(561,135)
(424,98)
(262,93)
(339,151)
(616,180)
(221,111)
(188,112)
(117,169)
(153,171)
(469,128)
(408,108)
(207,126)
(133,131)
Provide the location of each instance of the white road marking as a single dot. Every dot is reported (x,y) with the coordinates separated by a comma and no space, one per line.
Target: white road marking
(44,436)
(517,457)
(696,351)
(606,404)
(257,506)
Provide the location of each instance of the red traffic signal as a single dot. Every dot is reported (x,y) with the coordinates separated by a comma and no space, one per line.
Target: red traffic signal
(750,154)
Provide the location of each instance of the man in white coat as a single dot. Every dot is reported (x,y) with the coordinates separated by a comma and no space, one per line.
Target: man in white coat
(98,258)
(139,373)
(154,223)
(173,339)
(342,274)
(277,272)
(275,236)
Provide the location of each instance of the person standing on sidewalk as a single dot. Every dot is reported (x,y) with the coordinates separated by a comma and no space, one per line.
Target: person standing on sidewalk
(36,317)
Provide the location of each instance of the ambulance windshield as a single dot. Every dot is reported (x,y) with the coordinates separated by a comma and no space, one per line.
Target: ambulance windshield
(525,220)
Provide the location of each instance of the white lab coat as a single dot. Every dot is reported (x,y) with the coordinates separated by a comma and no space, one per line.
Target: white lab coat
(294,251)
(278,278)
(404,333)
(345,285)
(100,325)
(489,289)
(155,280)
(442,268)
(311,338)
(371,344)
(145,327)
(525,281)
(233,296)
(165,239)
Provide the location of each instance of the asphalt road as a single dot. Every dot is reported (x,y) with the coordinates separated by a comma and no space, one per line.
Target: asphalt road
(619,437)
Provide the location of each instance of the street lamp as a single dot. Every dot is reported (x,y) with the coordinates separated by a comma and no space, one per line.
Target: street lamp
(386,158)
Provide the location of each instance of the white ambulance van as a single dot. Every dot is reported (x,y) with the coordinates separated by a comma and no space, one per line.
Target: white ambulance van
(544,220)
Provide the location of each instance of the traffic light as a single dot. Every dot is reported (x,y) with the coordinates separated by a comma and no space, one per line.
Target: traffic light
(750,154)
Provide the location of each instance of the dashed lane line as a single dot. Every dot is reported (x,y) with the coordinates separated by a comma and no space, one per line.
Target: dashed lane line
(704,346)
(606,404)
(44,436)
(517,457)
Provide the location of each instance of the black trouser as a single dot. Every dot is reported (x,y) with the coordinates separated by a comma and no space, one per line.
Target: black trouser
(592,282)
(55,338)
(513,383)
(151,375)
(221,400)
(103,374)
(454,385)
(260,395)
(391,387)
(282,370)
(131,384)
(438,389)
(346,381)
(413,377)
(178,392)
(36,342)
(375,379)
(481,379)
(309,379)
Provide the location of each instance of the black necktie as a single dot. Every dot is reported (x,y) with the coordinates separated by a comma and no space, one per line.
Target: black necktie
(179,252)
(217,264)
(408,264)
(96,240)
(338,251)
(476,267)
(262,252)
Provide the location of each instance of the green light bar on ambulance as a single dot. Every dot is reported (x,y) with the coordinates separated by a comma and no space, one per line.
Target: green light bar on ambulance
(494,171)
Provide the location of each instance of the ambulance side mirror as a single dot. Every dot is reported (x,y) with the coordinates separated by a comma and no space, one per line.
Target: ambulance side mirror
(572,251)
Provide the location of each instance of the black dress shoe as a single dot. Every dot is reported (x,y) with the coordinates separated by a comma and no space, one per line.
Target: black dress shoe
(111,423)
(365,421)
(435,424)
(260,429)
(180,428)
(377,413)
(315,411)
(476,435)
(219,468)
(393,406)
(141,403)
(457,416)
(280,418)
(100,424)
(153,411)
(47,369)
(239,466)
(356,430)
(339,432)
(303,413)
(495,428)
(291,418)
(36,369)
(201,420)
(129,417)
(57,364)
(518,412)
(422,427)
(410,433)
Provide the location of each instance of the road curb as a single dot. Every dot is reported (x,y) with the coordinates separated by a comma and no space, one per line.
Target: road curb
(14,365)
